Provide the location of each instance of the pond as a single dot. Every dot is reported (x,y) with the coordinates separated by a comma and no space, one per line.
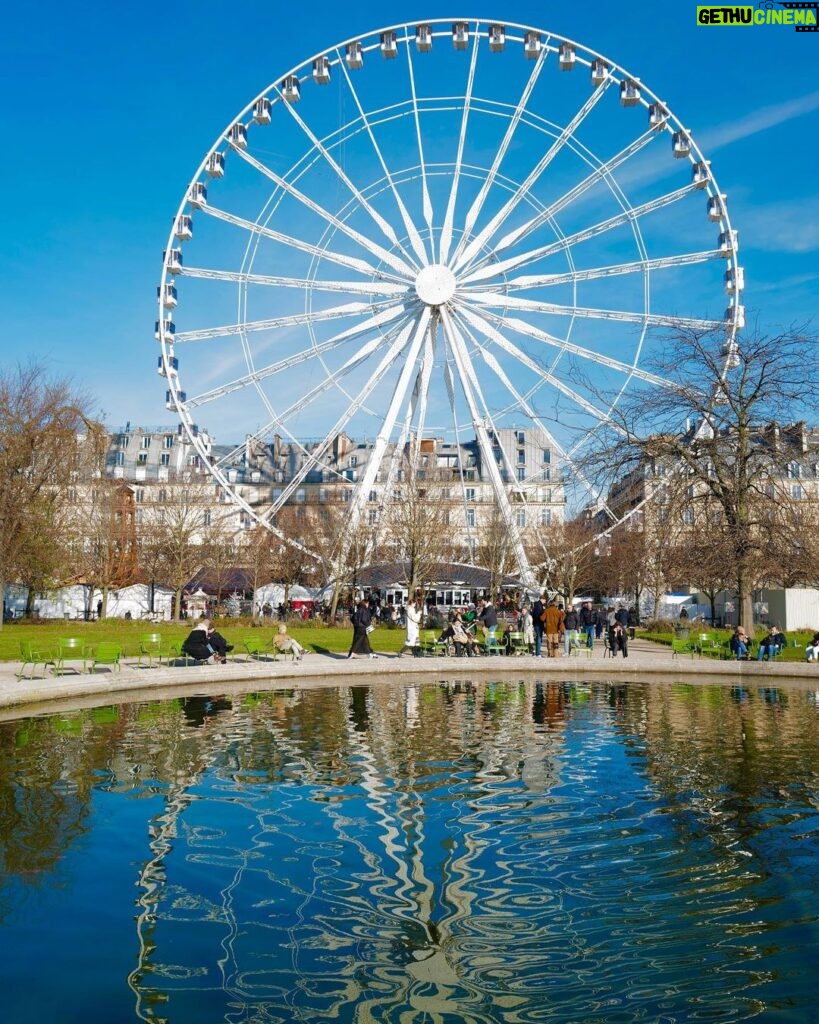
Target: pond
(444,852)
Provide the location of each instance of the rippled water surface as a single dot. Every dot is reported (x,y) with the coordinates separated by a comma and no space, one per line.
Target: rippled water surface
(444,853)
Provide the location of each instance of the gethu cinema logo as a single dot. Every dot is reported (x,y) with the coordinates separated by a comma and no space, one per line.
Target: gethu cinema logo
(803,16)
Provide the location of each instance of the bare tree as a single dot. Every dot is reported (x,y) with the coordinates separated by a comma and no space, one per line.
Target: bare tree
(176,532)
(732,396)
(566,555)
(43,422)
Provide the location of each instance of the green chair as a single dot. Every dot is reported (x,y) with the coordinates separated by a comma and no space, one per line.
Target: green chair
(258,650)
(154,648)
(34,656)
(70,649)
(491,645)
(430,646)
(682,646)
(107,653)
(516,643)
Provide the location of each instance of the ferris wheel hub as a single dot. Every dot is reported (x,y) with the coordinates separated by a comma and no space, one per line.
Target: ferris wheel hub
(435,285)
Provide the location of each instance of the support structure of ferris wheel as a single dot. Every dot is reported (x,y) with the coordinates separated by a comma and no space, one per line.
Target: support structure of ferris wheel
(422,240)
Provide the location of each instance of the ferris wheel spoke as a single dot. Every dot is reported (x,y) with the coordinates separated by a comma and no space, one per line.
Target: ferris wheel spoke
(474,211)
(449,381)
(385,430)
(530,364)
(537,420)
(311,352)
(422,388)
(398,265)
(472,393)
(386,362)
(563,345)
(383,225)
(626,316)
(386,288)
(483,270)
(597,273)
(409,225)
(485,236)
(597,175)
(449,217)
(351,262)
(426,202)
(294,320)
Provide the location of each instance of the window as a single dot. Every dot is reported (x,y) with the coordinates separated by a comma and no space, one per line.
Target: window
(322,494)
(353,461)
(470,517)
(688,516)
(521,457)
(445,517)
(244,520)
(276,493)
(547,474)
(146,441)
(139,494)
(794,471)
(119,458)
(521,474)
(165,459)
(193,460)
(162,494)
(545,517)
(797,492)
(470,493)
(300,495)
(206,517)
(168,441)
(520,517)
(373,496)
(142,459)
(547,455)
(372,516)
(521,437)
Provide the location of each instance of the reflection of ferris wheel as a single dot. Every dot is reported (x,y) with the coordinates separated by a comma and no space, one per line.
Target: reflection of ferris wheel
(439,230)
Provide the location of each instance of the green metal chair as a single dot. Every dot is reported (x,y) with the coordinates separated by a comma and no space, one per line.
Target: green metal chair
(430,646)
(491,645)
(70,649)
(107,653)
(258,650)
(34,656)
(516,643)
(153,647)
(682,646)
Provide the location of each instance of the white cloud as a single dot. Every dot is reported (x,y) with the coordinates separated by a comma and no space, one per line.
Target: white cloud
(787,226)
(758,121)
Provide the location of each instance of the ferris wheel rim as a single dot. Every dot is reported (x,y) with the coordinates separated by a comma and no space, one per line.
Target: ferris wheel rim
(478,30)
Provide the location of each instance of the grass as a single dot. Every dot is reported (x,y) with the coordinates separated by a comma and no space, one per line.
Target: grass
(47,633)
(789,653)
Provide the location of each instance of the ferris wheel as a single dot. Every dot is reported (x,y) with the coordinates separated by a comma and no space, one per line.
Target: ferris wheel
(439,230)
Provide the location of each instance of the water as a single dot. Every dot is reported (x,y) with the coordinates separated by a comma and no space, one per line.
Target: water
(435,853)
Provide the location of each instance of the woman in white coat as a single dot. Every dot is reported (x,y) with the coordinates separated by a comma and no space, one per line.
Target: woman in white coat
(413,614)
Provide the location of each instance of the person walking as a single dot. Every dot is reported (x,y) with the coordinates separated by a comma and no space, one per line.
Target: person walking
(488,618)
(362,623)
(585,622)
(413,615)
(538,609)
(553,622)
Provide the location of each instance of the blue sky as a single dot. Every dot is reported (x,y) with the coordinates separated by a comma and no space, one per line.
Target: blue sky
(108,110)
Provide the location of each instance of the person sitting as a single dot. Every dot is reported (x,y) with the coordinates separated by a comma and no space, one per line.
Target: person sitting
(462,639)
(204,643)
(739,643)
(282,641)
(812,649)
(770,645)
(780,639)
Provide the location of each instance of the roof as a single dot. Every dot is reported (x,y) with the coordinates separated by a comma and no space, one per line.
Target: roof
(447,574)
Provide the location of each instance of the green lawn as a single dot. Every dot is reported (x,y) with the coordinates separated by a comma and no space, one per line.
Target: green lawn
(313,637)
(789,653)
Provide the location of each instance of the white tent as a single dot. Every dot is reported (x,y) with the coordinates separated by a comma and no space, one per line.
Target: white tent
(273,594)
(130,602)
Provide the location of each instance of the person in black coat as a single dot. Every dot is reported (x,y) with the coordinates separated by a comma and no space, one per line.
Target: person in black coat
(361,619)
(538,608)
(204,642)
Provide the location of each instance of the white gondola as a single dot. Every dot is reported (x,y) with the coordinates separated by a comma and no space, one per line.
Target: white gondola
(165,328)
(168,295)
(389,47)
(460,35)
(599,72)
(174,396)
(566,57)
(629,92)
(734,279)
(198,195)
(238,136)
(261,111)
(321,70)
(215,166)
(700,174)
(657,115)
(735,315)
(193,430)
(532,44)
(423,38)
(355,55)
(716,208)
(730,354)
(680,145)
(497,38)
(728,243)
(167,367)
(183,229)
(291,89)
(173,260)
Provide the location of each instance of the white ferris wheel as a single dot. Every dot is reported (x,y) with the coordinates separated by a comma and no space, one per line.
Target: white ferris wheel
(439,229)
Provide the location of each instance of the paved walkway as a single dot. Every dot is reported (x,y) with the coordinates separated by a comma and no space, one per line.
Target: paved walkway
(74,689)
